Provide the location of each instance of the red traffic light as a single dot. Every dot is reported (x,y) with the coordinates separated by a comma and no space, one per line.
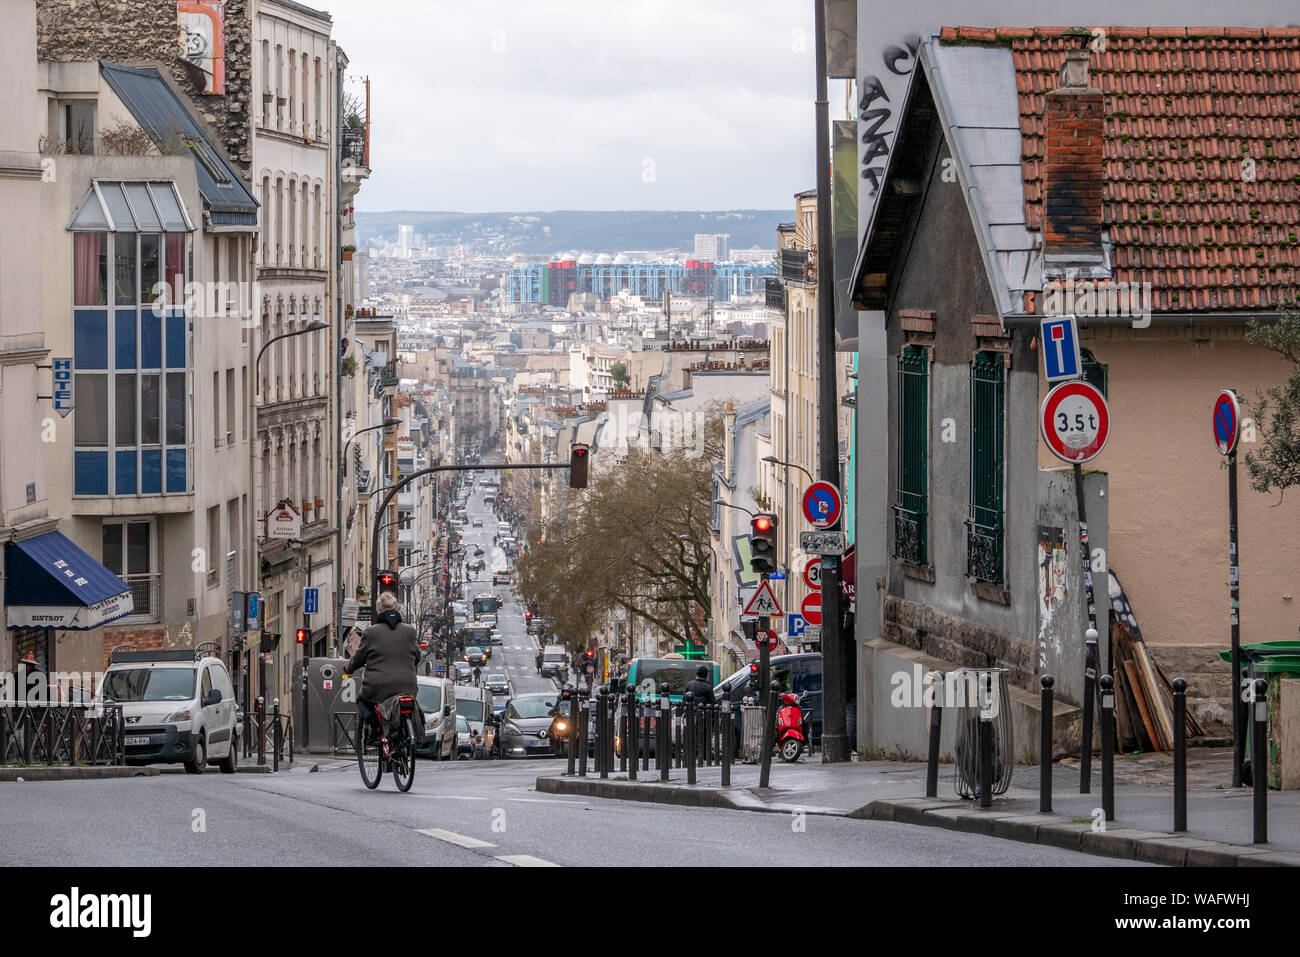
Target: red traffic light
(762,524)
(579,456)
(301,636)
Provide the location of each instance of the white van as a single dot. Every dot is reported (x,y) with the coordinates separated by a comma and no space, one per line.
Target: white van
(503,528)
(176,708)
(437,699)
(554,661)
(475,703)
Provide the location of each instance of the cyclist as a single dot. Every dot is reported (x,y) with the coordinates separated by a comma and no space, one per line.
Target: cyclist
(389,651)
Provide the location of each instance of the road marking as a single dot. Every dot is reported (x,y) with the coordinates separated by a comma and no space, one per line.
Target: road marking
(460,840)
(524,860)
(549,801)
(451,797)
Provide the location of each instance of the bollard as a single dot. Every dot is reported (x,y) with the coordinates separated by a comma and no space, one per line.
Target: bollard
(769,734)
(986,744)
(276,739)
(1259,758)
(664,736)
(1107,716)
(573,734)
(581,730)
(679,719)
(690,737)
(716,729)
(261,730)
(936,727)
(611,705)
(248,732)
(728,726)
(602,732)
(632,735)
(1045,747)
(1180,754)
(646,718)
(1089,698)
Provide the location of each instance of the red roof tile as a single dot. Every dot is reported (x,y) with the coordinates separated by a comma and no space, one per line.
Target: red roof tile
(1185,109)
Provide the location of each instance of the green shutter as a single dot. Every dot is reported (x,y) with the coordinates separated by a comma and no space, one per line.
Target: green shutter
(911,511)
(984,527)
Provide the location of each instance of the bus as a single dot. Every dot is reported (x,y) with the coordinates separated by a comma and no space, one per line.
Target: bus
(478,635)
(486,604)
(650,676)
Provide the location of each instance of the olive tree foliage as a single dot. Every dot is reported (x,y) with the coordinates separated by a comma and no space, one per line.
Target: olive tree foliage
(618,544)
(1275,464)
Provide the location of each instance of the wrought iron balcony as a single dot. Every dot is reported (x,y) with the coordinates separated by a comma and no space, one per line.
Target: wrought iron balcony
(909,535)
(983,551)
(797,265)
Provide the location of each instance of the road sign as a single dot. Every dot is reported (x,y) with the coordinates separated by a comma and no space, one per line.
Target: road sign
(63,395)
(812,574)
(797,626)
(822,504)
(763,602)
(310,600)
(822,543)
(812,634)
(771,640)
(1227,421)
(1075,421)
(1061,359)
(776,576)
(812,608)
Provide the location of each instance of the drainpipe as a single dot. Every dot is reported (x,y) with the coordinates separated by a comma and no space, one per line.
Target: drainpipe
(336,146)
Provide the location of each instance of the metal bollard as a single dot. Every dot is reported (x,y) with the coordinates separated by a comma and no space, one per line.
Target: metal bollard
(690,737)
(716,728)
(936,729)
(646,717)
(1180,754)
(573,734)
(1089,699)
(602,732)
(631,736)
(1045,747)
(679,719)
(1107,715)
(581,731)
(276,739)
(261,730)
(1259,758)
(986,745)
(769,735)
(728,726)
(664,736)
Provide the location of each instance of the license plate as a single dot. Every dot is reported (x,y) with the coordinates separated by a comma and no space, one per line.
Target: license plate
(136,740)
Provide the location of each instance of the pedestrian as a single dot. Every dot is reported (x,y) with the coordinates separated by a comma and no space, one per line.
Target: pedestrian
(539,662)
(700,686)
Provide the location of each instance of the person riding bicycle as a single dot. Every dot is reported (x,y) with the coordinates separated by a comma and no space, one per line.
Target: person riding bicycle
(389,651)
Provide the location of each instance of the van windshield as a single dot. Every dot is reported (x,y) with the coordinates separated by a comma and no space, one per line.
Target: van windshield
(149,684)
(470,709)
(429,697)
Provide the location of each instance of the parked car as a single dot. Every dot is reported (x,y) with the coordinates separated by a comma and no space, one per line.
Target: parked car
(497,638)
(497,683)
(795,673)
(178,709)
(462,673)
(501,578)
(475,703)
(466,741)
(535,626)
(526,726)
(554,661)
(435,697)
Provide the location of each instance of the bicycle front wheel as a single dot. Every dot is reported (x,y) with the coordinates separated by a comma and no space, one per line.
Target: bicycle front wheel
(404,758)
(368,757)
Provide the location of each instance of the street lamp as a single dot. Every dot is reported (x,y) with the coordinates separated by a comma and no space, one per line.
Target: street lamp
(790,465)
(343,455)
(718,501)
(316,326)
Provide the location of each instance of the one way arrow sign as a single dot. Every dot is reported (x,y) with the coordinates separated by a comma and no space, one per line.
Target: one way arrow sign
(763,602)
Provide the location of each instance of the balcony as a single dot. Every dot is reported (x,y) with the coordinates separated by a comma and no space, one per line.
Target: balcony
(144,596)
(797,265)
(388,375)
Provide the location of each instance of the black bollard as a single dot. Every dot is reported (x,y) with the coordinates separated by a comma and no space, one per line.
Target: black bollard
(277,740)
(647,717)
(769,734)
(261,730)
(986,743)
(1107,715)
(1259,758)
(632,735)
(1045,747)
(603,731)
(664,736)
(690,738)
(1089,697)
(727,727)
(583,718)
(936,726)
(679,718)
(573,733)
(1180,754)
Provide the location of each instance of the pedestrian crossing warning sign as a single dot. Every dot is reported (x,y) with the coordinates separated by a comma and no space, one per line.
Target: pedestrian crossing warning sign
(763,602)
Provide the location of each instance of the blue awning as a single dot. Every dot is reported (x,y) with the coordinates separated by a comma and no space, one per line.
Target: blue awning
(50,582)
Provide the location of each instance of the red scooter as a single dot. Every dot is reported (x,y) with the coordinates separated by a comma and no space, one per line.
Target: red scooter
(792,731)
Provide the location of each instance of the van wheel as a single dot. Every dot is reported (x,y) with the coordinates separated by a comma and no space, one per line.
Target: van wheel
(230,763)
(197,764)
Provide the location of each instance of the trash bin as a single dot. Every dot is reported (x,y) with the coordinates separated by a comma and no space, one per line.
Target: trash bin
(1273,661)
(751,732)
(970,691)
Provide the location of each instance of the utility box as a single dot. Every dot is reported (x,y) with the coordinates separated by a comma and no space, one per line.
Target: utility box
(331,715)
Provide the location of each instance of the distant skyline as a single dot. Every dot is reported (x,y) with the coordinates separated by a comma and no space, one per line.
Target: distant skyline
(505,105)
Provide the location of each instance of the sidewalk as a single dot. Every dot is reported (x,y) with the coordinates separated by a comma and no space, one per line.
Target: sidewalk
(41,772)
(1219,818)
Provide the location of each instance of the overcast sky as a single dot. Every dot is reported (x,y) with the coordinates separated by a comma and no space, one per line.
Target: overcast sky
(583,104)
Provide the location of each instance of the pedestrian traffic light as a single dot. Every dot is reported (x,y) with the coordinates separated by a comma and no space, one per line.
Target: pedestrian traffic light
(578,459)
(387,582)
(762,543)
(301,636)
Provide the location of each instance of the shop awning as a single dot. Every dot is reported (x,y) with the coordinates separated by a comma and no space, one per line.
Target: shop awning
(50,582)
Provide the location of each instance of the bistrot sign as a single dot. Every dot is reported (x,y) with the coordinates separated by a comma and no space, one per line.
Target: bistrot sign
(1075,421)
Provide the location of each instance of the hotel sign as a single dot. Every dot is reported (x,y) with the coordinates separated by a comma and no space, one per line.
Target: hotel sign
(63,392)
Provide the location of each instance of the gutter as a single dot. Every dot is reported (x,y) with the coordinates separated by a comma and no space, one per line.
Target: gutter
(1164,320)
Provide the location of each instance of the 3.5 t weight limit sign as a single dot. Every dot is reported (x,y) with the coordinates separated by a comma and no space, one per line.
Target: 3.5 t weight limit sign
(1075,421)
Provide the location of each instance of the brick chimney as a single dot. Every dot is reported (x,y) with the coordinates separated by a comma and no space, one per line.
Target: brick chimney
(1075,126)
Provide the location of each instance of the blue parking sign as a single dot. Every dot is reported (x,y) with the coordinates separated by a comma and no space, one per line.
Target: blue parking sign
(1061,359)
(797,625)
(310,597)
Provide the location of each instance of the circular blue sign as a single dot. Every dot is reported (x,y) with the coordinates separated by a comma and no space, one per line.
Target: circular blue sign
(1227,421)
(822,505)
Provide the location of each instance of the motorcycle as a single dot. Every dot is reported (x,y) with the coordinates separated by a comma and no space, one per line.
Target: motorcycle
(792,730)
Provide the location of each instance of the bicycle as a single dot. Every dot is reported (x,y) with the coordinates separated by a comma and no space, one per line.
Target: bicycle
(378,754)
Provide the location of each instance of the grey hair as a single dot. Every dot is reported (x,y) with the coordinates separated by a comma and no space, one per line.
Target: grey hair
(388,602)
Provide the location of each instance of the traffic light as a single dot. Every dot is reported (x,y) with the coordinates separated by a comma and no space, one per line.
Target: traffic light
(762,544)
(301,636)
(387,581)
(578,458)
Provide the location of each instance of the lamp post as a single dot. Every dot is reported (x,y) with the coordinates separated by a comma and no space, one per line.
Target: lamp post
(785,532)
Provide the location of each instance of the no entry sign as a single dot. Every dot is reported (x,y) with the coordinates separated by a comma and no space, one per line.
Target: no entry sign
(812,608)
(1227,422)
(822,504)
(1075,421)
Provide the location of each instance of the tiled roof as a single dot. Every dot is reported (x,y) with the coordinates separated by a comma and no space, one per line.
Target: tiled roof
(1186,109)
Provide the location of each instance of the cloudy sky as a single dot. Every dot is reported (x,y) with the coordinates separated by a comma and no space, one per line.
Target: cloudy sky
(583,104)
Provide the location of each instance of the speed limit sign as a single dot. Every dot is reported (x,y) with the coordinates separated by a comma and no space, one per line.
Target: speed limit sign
(1075,421)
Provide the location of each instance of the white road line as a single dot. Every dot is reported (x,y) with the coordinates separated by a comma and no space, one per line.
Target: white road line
(451,797)
(524,860)
(460,840)
(549,801)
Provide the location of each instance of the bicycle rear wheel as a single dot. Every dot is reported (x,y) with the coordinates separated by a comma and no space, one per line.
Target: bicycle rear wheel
(404,758)
(368,757)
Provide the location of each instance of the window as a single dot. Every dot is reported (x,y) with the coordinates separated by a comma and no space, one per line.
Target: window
(911,511)
(79,126)
(214,544)
(216,400)
(984,527)
(128,553)
(230,406)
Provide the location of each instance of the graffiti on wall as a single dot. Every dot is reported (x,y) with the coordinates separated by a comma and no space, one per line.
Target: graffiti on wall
(200,25)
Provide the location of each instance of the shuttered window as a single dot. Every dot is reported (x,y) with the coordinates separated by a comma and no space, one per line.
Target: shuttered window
(984,527)
(911,510)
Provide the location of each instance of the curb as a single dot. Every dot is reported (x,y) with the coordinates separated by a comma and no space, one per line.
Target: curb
(76,774)
(1154,847)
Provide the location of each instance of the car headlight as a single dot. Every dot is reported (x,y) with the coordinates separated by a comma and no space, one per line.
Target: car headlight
(183,715)
(561,726)
(513,729)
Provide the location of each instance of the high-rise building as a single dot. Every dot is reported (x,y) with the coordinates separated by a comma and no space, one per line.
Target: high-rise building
(712,246)
(405,239)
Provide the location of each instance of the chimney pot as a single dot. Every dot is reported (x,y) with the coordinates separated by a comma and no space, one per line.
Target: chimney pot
(1074,71)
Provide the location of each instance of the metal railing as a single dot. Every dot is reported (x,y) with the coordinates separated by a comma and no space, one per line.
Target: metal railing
(268,732)
(61,735)
(144,595)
